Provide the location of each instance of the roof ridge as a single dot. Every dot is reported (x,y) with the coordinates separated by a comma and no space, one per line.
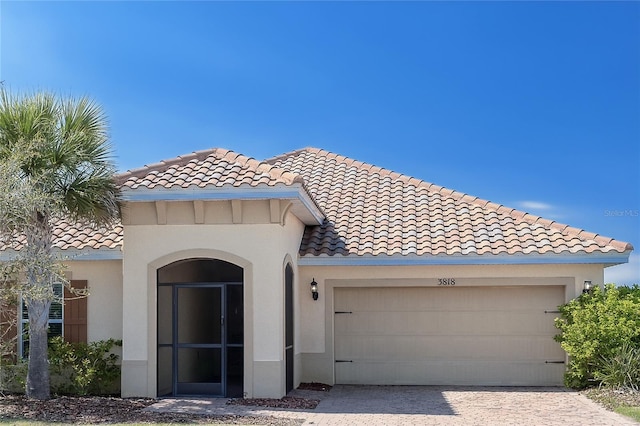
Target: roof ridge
(291,153)
(220,154)
(463,197)
(275,171)
(168,162)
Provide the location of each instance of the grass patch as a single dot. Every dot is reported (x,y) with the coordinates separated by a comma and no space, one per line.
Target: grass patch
(633,412)
(621,401)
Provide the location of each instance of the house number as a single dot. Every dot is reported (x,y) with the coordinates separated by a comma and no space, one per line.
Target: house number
(446,281)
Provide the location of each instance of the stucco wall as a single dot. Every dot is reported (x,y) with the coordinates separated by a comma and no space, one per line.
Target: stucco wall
(104,304)
(259,248)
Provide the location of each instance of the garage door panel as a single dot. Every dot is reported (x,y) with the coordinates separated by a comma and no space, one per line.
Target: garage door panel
(440,322)
(460,335)
(443,372)
(440,298)
(405,348)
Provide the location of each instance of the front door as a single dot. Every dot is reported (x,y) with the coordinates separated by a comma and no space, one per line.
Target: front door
(200,339)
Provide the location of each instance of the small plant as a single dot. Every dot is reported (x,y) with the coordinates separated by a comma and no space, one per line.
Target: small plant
(81,368)
(622,369)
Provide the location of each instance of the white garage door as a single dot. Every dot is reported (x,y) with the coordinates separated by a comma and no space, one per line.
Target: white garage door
(448,336)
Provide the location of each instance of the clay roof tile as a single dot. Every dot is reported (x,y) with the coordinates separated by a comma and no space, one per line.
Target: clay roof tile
(369,209)
(489,227)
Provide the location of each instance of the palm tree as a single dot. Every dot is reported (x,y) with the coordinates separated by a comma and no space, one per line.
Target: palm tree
(55,162)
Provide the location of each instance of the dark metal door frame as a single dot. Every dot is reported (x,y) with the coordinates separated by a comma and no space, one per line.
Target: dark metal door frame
(204,388)
(211,388)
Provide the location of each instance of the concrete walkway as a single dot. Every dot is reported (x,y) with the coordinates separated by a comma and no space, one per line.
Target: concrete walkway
(424,405)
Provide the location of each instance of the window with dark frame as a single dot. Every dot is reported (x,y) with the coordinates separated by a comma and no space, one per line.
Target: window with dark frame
(55,325)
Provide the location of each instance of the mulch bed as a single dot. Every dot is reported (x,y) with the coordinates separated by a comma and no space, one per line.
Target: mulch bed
(288,402)
(613,398)
(314,386)
(94,410)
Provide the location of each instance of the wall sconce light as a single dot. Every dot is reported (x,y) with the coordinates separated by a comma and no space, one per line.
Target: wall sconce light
(314,289)
(587,287)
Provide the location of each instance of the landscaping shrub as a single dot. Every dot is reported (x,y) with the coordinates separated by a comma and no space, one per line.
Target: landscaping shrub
(622,370)
(13,376)
(76,369)
(83,368)
(595,330)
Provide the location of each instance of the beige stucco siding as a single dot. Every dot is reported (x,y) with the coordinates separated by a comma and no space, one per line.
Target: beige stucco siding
(104,304)
(259,248)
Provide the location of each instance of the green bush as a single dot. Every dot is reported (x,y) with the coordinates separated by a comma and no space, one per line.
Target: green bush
(83,369)
(593,329)
(13,376)
(622,370)
(75,368)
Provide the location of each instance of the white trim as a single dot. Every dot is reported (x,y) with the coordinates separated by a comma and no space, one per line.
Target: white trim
(217,193)
(73,254)
(307,209)
(614,258)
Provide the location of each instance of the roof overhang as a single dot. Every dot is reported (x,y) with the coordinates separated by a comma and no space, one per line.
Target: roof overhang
(608,259)
(73,254)
(303,205)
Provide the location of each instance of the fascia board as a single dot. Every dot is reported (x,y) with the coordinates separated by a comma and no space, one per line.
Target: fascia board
(523,259)
(308,212)
(73,254)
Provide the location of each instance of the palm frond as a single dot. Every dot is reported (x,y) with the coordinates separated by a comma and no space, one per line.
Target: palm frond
(62,148)
(83,134)
(91,195)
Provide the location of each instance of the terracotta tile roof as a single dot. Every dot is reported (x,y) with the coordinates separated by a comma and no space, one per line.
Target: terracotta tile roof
(369,210)
(204,169)
(67,235)
(373,211)
(211,168)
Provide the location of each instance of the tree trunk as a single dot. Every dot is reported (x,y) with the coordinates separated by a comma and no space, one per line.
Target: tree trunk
(38,297)
(38,386)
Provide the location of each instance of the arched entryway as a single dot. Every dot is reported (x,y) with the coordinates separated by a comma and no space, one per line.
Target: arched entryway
(200,328)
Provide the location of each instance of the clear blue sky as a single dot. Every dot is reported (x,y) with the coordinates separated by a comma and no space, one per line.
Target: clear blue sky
(534,105)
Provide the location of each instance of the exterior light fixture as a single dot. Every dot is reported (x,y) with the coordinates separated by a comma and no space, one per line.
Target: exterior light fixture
(587,287)
(314,289)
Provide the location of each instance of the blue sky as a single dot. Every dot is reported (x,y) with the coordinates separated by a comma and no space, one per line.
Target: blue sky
(535,105)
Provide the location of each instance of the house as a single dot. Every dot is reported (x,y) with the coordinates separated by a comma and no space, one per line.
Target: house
(208,279)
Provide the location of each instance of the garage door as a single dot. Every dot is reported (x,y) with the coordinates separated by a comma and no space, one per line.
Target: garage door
(448,336)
